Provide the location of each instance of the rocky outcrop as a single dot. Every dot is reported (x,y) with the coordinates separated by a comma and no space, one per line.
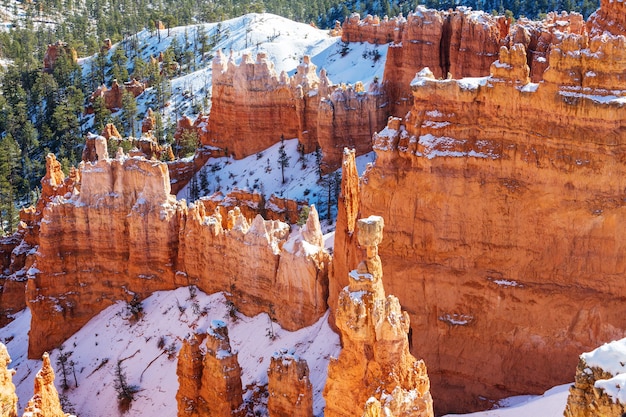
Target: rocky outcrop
(149,122)
(537,37)
(113,96)
(250,100)
(372,29)
(251,204)
(502,198)
(610,17)
(457,43)
(45,401)
(54,51)
(597,387)
(209,375)
(289,387)
(375,369)
(122,210)
(8,399)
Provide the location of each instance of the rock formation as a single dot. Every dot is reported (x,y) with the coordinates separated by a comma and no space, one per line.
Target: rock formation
(610,17)
(54,51)
(375,368)
(460,43)
(209,376)
(122,210)
(113,96)
(8,399)
(251,204)
(372,29)
(599,377)
(45,401)
(290,391)
(250,100)
(502,199)
(539,36)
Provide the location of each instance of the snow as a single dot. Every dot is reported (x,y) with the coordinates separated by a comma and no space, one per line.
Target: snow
(171,316)
(261,173)
(550,404)
(610,357)
(444,146)
(284,41)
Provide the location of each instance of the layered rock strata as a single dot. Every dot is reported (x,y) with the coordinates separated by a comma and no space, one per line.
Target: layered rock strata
(597,388)
(457,43)
(209,375)
(250,100)
(145,241)
(503,201)
(289,387)
(375,369)
(8,398)
(610,17)
(372,29)
(18,250)
(45,401)
(539,36)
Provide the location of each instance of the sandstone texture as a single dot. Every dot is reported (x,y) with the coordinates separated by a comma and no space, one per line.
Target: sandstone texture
(372,29)
(113,96)
(599,378)
(250,100)
(457,43)
(122,211)
(289,387)
(209,375)
(8,399)
(53,52)
(375,370)
(503,201)
(45,401)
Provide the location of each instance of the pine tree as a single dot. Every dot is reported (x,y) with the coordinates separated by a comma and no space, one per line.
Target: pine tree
(10,180)
(283,158)
(129,112)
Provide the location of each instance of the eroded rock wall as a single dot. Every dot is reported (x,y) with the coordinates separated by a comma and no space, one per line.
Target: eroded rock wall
(119,234)
(503,202)
(250,100)
(45,401)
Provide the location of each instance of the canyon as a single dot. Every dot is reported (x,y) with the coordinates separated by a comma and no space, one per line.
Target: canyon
(499,173)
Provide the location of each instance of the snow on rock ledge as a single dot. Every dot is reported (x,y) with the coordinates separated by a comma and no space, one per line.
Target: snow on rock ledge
(600,386)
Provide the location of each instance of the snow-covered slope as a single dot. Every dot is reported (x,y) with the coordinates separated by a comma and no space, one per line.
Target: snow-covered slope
(168,318)
(284,41)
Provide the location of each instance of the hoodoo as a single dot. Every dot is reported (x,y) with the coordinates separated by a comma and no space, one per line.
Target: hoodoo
(375,369)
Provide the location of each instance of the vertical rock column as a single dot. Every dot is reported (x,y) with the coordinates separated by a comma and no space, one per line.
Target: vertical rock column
(291,392)
(221,377)
(45,401)
(189,371)
(375,370)
(8,399)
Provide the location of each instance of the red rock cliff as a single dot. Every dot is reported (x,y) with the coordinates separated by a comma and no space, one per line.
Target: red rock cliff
(120,233)
(503,201)
(250,100)
(462,43)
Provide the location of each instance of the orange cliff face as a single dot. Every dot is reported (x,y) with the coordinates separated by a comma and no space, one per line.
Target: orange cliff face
(250,100)
(120,233)
(503,201)
(375,374)
(462,43)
